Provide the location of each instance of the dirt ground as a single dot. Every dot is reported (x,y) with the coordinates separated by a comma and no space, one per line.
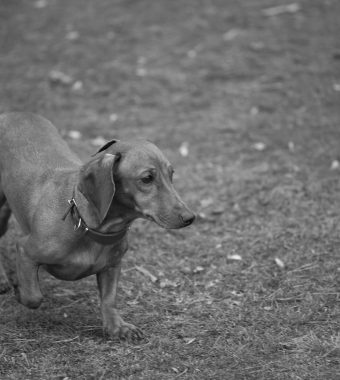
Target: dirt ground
(245,104)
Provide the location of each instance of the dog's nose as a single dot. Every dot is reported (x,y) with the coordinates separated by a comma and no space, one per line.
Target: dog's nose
(188,219)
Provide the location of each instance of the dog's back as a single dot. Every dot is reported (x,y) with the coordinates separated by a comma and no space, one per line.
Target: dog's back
(31,141)
(31,150)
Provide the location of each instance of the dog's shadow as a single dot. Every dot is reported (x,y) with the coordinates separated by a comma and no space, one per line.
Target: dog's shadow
(59,324)
(69,311)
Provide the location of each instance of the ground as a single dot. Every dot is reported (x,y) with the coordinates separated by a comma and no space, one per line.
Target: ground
(246,107)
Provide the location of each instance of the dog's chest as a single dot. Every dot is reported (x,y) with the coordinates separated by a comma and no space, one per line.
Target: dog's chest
(85,262)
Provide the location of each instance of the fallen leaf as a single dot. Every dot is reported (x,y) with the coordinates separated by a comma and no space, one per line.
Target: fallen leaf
(202,215)
(281,9)
(192,54)
(184,149)
(335,165)
(136,300)
(168,284)
(75,135)
(211,284)
(237,294)
(257,45)
(185,270)
(260,146)
(77,86)
(336,87)
(218,210)
(279,263)
(231,34)
(58,77)
(98,141)
(207,202)
(234,257)
(198,269)
(72,35)
(236,207)
(113,117)
(141,71)
(39,4)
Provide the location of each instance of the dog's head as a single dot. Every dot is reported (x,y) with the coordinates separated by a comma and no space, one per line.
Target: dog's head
(138,177)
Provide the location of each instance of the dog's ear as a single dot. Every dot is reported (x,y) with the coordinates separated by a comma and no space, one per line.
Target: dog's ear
(104,147)
(96,182)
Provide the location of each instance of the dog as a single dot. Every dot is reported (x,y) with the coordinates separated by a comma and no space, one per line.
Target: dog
(75,216)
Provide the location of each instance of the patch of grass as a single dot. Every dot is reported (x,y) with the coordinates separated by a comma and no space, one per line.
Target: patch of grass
(165,69)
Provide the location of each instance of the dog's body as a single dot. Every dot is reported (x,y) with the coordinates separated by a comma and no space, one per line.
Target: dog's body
(75,216)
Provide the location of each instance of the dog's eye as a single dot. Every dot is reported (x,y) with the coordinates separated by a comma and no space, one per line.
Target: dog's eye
(147,179)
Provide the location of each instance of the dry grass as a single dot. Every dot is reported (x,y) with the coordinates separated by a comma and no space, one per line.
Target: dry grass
(169,74)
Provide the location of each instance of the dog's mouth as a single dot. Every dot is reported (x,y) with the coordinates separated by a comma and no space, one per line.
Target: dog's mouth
(166,225)
(155,219)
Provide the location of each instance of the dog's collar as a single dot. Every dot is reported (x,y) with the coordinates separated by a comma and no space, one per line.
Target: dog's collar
(98,237)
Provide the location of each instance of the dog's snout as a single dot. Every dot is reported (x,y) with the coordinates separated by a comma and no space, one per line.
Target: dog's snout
(188,219)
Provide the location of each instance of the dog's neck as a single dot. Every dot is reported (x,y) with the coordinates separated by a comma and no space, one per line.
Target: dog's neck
(119,217)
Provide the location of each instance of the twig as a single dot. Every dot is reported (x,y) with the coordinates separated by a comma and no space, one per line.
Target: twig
(289,299)
(3,353)
(304,267)
(146,273)
(216,341)
(66,340)
(329,352)
(324,293)
(128,269)
(182,373)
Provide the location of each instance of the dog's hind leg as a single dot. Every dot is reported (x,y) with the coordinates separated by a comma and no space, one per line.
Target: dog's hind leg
(5,213)
(27,291)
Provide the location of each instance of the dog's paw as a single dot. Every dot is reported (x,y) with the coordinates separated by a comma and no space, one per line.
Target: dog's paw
(4,286)
(124,331)
(32,301)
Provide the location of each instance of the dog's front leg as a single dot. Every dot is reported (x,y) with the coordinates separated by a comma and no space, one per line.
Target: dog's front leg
(27,290)
(114,325)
